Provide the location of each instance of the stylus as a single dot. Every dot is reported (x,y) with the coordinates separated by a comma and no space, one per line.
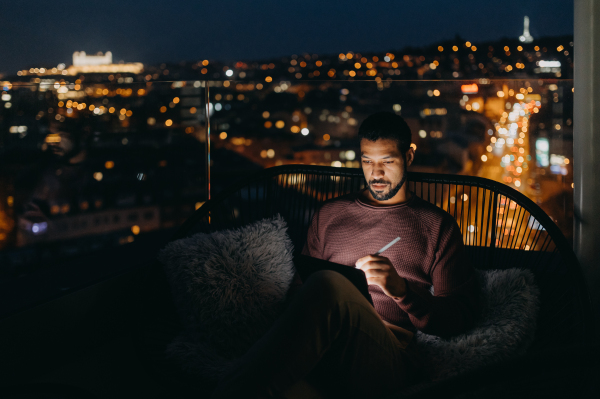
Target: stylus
(387,246)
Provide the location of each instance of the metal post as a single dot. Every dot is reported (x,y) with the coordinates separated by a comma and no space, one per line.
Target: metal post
(586,146)
(207,147)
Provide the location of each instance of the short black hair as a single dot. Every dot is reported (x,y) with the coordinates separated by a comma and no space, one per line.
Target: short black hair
(386,125)
(74,127)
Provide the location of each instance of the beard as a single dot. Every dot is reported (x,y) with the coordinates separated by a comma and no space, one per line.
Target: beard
(393,191)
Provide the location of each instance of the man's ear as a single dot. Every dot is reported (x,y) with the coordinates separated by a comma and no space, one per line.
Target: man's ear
(410,156)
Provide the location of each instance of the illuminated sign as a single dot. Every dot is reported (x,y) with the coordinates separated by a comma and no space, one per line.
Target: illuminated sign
(549,64)
(542,151)
(547,67)
(469,89)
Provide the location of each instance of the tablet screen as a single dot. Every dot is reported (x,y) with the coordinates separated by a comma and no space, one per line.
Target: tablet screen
(307,265)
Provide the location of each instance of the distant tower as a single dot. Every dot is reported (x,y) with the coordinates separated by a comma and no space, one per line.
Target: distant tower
(526,37)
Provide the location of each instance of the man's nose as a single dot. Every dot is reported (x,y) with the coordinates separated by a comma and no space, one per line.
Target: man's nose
(377,171)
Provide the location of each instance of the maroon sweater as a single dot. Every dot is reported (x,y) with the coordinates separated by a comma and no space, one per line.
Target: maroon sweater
(430,254)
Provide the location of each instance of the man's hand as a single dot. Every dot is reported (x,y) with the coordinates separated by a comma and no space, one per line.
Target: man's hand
(380,271)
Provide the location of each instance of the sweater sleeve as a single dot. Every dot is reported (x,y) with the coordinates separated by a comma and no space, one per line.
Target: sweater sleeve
(455,302)
(313,246)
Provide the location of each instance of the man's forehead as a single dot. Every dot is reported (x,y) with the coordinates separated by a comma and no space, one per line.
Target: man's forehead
(58,130)
(379,148)
(383,156)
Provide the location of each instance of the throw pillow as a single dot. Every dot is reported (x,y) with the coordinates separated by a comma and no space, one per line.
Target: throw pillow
(509,310)
(228,287)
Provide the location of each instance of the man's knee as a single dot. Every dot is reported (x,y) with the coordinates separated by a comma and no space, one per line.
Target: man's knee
(329,287)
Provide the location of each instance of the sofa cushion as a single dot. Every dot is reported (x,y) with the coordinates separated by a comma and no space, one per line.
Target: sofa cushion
(228,287)
(504,330)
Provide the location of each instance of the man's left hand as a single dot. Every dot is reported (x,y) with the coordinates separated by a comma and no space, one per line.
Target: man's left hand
(380,271)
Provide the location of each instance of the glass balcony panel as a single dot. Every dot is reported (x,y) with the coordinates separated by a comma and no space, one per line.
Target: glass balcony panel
(97,167)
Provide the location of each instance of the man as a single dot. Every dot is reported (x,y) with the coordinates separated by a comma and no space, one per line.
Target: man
(330,341)
(66,141)
(61,179)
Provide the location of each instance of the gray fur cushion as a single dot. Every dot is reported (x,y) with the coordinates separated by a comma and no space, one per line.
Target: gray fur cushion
(510,306)
(228,287)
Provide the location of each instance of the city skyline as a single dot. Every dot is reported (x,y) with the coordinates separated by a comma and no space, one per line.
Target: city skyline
(188,31)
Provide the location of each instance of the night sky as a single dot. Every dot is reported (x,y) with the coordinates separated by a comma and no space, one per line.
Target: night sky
(36,33)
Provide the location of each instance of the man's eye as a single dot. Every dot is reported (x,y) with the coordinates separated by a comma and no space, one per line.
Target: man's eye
(389,162)
(366,161)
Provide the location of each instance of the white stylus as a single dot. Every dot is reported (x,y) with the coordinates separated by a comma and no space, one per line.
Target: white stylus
(395,240)
(387,246)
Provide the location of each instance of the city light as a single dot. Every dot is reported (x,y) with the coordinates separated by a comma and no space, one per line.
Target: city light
(469,88)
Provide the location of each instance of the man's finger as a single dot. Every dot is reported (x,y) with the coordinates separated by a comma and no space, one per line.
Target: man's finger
(376,273)
(362,260)
(370,258)
(377,257)
(375,265)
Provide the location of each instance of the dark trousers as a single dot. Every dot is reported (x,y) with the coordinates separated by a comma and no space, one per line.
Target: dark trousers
(329,342)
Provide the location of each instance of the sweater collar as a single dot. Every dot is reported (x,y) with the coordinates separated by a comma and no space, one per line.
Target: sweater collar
(361,203)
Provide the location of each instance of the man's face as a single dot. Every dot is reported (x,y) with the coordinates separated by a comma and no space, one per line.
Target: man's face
(384,167)
(60,143)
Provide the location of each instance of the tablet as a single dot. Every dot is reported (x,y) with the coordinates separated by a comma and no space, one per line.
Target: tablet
(307,265)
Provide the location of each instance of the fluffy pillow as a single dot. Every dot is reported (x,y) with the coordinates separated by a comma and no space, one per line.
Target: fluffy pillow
(510,306)
(228,287)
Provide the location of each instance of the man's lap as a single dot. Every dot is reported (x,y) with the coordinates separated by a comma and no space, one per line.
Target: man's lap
(329,341)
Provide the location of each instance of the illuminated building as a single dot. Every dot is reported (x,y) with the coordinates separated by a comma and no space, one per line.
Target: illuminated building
(80,58)
(83,63)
